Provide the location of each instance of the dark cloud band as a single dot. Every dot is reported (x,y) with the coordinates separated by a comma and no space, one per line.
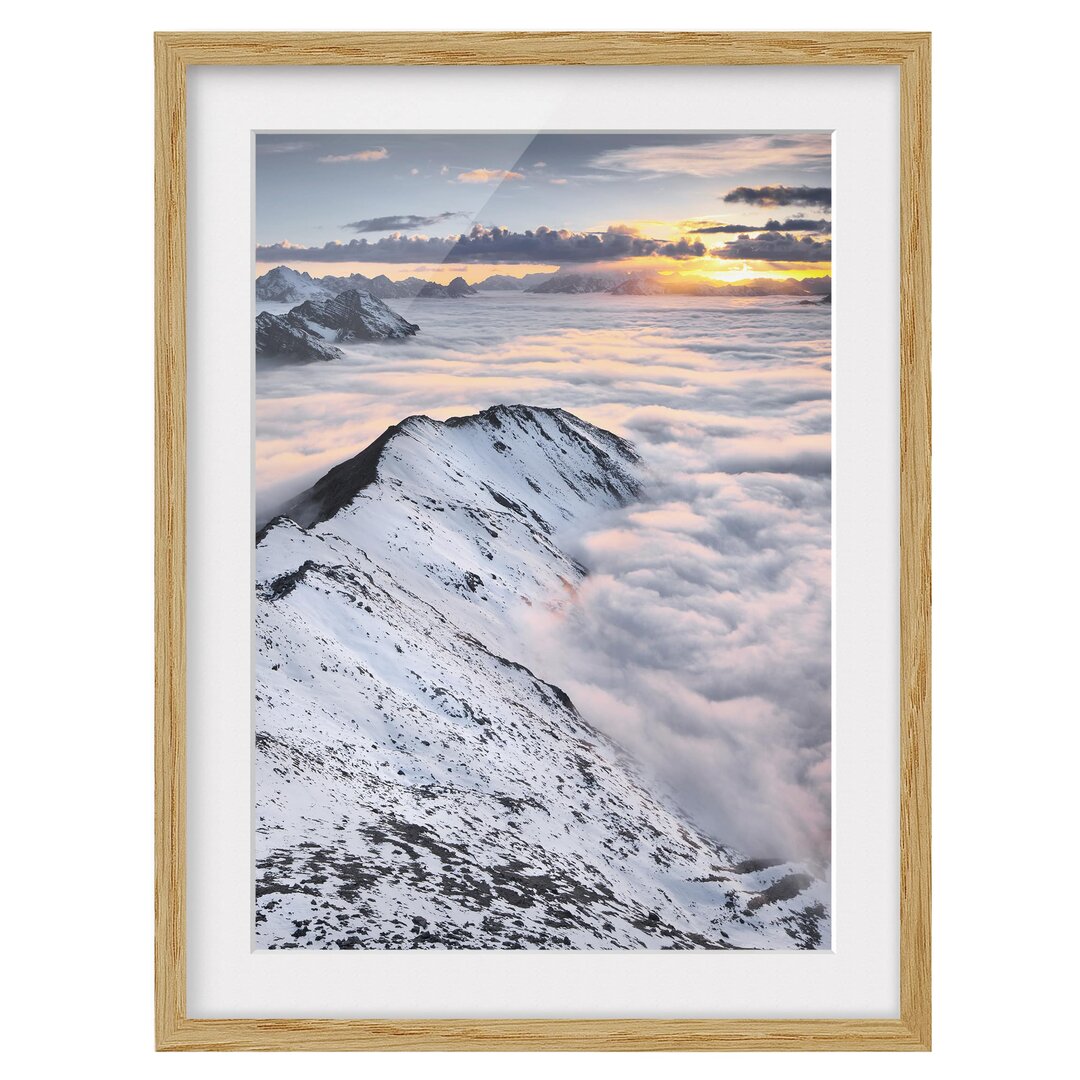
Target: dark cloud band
(776,247)
(779,195)
(396,222)
(704,228)
(484,245)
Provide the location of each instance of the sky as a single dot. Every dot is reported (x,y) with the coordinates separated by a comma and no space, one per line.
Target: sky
(722,206)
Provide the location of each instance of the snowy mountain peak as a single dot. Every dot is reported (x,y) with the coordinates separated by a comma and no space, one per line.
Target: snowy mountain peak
(283,284)
(356,316)
(289,337)
(579,282)
(420,783)
(456,289)
(534,460)
(340,486)
(312,330)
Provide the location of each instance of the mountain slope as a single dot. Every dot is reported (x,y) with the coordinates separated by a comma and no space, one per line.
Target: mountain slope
(355,316)
(639,285)
(590,282)
(305,332)
(379,286)
(648,284)
(456,289)
(509,283)
(417,785)
(289,337)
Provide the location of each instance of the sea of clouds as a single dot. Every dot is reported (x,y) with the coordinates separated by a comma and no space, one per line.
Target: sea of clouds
(701,639)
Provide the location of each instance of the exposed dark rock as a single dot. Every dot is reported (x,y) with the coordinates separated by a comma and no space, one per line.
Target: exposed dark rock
(340,485)
(581,283)
(285,285)
(509,283)
(457,288)
(787,888)
(289,337)
(356,316)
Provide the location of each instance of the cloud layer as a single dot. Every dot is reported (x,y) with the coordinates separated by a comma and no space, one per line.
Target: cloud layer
(723,156)
(701,638)
(704,228)
(377,153)
(490,245)
(776,247)
(488,176)
(778,195)
(398,222)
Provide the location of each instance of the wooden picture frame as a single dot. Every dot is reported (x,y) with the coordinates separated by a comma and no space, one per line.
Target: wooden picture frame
(910,53)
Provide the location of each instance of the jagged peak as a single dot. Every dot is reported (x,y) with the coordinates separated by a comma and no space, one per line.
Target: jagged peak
(284,271)
(496,415)
(492,413)
(349,298)
(357,315)
(339,487)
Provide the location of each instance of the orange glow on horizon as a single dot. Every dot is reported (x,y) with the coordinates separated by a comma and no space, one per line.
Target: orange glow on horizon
(729,271)
(442,274)
(725,271)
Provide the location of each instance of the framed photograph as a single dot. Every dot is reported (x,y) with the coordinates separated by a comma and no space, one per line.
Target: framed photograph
(542,568)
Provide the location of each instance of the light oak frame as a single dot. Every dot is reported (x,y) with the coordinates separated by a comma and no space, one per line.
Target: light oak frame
(174,52)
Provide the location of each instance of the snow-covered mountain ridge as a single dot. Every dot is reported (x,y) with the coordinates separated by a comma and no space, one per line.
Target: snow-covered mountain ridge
(306,331)
(284,284)
(418,786)
(355,316)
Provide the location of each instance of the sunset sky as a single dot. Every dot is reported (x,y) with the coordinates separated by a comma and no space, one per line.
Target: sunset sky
(723,206)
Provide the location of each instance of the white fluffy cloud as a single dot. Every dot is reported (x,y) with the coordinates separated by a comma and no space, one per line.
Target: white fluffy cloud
(725,157)
(377,153)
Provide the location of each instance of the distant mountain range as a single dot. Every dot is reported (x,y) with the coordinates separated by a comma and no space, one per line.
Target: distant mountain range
(623,283)
(418,786)
(313,330)
(601,281)
(457,288)
(657,285)
(380,286)
(509,283)
(285,285)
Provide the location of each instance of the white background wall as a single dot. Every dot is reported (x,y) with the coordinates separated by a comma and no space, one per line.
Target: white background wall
(76,259)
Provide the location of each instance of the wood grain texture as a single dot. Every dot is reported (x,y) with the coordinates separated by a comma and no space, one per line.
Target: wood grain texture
(170,646)
(915,594)
(642,1035)
(910,52)
(548,49)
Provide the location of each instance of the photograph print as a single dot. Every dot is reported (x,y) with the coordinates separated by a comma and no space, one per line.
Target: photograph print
(543,541)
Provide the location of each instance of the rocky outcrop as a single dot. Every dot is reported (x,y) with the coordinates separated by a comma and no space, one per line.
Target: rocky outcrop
(580,283)
(379,286)
(285,285)
(355,316)
(457,288)
(509,283)
(289,337)
(640,285)
(314,329)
